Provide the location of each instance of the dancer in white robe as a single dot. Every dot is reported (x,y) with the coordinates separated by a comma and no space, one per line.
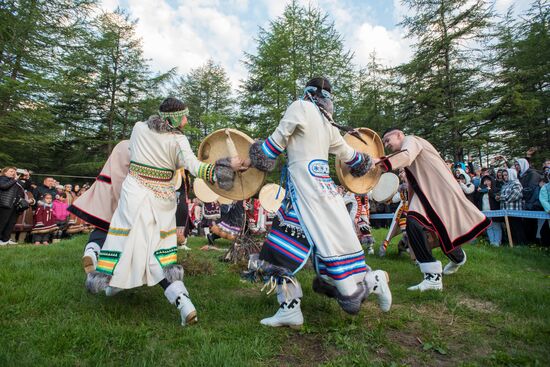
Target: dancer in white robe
(313,220)
(141,242)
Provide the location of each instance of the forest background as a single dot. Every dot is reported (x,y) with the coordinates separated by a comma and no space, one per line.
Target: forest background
(74,80)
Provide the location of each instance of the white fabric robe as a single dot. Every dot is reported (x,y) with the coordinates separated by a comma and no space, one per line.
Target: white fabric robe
(142,236)
(309,138)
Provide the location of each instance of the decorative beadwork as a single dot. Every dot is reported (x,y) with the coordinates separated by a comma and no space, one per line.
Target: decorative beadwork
(123,232)
(206,172)
(167,256)
(155,179)
(107,261)
(164,234)
(150,172)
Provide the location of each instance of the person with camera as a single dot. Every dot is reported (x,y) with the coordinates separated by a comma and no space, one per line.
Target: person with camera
(12,202)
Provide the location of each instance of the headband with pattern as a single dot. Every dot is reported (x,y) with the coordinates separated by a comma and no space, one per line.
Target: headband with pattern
(174,118)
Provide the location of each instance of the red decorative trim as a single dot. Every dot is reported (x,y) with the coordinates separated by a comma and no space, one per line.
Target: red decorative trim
(89,218)
(386,163)
(437,224)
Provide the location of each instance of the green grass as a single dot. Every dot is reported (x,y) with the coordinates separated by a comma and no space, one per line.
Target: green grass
(494,312)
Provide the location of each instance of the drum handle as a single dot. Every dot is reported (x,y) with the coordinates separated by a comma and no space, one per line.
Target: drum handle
(392,154)
(230,145)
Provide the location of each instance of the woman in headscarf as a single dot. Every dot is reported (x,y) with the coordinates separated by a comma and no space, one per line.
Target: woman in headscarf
(510,198)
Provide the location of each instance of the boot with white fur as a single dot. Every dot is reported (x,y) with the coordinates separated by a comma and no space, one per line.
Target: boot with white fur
(289,313)
(432,277)
(453,267)
(378,283)
(178,295)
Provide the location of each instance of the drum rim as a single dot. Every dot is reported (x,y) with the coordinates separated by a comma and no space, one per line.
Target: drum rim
(341,166)
(264,189)
(232,194)
(394,178)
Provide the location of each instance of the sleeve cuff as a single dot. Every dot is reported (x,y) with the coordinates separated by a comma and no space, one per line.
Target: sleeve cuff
(386,164)
(206,172)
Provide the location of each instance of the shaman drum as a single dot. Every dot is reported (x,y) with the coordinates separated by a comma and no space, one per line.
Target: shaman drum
(232,143)
(386,188)
(203,192)
(374,148)
(269,199)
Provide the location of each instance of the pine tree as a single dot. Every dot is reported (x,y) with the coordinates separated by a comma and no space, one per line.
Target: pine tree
(207,92)
(521,87)
(297,46)
(441,88)
(34,36)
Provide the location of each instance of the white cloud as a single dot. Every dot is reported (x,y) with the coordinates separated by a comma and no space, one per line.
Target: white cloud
(188,35)
(390,45)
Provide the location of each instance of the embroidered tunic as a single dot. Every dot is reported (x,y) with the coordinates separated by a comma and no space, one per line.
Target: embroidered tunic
(437,201)
(142,236)
(313,218)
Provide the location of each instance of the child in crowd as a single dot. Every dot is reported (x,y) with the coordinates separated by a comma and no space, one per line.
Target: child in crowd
(61,215)
(44,221)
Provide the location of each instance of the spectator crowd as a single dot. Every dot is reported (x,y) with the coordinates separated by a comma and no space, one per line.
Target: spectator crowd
(39,211)
(36,213)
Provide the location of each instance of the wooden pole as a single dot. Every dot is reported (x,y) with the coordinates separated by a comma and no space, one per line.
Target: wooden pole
(510,241)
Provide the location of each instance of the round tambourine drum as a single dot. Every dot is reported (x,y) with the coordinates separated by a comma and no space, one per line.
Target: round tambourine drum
(203,192)
(224,200)
(269,200)
(374,148)
(231,143)
(386,188)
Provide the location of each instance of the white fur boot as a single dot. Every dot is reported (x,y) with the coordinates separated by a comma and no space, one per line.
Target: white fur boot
(289,313)
(453,267)
(89,260)
(178,295)
(432,277)
(378,283)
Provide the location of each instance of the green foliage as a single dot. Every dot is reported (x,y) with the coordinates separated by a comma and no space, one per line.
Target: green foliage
(297,46)
(520,86)
(73,81)
(441,87)
(207,92)
(486,315)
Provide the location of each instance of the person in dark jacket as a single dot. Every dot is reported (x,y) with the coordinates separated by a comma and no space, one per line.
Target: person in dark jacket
(11,193)
(529,179)
(47,187)
(485,201)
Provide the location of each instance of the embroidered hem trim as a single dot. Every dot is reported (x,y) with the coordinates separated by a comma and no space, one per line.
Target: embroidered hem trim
(107,261)
(167,256)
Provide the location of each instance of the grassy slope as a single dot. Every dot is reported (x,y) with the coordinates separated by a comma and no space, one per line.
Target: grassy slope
(495,311)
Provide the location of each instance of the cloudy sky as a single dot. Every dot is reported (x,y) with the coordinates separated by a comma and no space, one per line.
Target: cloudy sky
(186,33)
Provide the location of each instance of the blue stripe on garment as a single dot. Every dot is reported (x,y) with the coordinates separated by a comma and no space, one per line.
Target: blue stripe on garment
(343,267)
(357,158)
(287,244)
(271,149)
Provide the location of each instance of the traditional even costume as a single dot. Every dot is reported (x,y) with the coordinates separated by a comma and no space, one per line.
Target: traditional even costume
(362,223)
(312,220)
(437,205)
(97,205)
(230,224)
(141,242)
